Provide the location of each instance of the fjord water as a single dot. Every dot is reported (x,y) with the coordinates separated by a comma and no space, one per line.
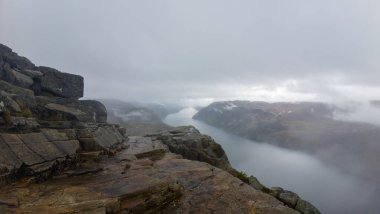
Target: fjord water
(329,189)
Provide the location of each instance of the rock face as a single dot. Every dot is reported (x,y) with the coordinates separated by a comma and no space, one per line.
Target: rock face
(58,155)
(145,178)
(40,135)
(309,127)
(19,71)
(188,142)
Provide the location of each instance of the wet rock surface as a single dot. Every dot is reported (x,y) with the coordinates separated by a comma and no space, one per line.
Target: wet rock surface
(144,178)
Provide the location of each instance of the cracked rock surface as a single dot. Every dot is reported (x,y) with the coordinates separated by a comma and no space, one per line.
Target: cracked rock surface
(143,178)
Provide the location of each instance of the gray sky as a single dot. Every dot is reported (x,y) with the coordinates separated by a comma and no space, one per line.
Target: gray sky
(198,51)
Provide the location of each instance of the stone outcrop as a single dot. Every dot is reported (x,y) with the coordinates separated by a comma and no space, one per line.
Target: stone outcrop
(42,120)
(19,71)
(61,84)
(188,142)
(58,155)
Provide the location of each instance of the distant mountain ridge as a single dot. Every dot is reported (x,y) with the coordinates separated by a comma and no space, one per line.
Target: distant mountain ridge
(138,119)
(303,126)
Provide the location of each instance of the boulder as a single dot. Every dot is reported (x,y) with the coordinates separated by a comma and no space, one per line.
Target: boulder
(99,137)
(255,183)
(61,84)
(306,207)
(191,144)
(65,112)
(289,198)
(14,60)
(16,78)
(95,110)
(18,93)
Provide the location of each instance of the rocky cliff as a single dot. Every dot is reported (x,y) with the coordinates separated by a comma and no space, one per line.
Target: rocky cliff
(58,155)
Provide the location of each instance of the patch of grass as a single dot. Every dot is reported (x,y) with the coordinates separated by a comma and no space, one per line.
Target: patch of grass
(25,111)
(242,176)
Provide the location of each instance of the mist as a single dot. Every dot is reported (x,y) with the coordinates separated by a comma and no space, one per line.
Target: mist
(362,112)
(197,52)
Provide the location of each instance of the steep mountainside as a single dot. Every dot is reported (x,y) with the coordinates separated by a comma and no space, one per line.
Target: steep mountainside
(59,155)
(304,126)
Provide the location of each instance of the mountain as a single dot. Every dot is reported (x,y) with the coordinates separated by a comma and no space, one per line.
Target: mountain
(58,154)
(136,118)
(302,126)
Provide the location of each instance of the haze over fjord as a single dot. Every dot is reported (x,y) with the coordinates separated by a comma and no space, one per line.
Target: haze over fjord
(198,51)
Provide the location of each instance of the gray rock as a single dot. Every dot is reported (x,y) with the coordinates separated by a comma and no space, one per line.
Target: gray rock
(8,102)
(32,73)
(255,183)
(16,78)
(9,162)
(67,112)
(289,198)
(306,207)
(38,154)
(22,151)
(23,123)
(107,136)
(40,145)
(14,60)
(61,84)
(275,191)
(69,147)
(99,138)
(191,144)
(56,124)
(54,135)
(95,110)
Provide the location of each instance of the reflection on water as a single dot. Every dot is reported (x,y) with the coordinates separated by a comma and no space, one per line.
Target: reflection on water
(327,188)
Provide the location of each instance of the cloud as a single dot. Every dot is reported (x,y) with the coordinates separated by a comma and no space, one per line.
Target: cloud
(202,50)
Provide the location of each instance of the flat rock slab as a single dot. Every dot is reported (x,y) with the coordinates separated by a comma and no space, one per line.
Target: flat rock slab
(34,153)
(22,151)
(168,185)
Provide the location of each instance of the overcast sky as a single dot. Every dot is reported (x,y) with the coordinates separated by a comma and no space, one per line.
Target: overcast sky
(198,51)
